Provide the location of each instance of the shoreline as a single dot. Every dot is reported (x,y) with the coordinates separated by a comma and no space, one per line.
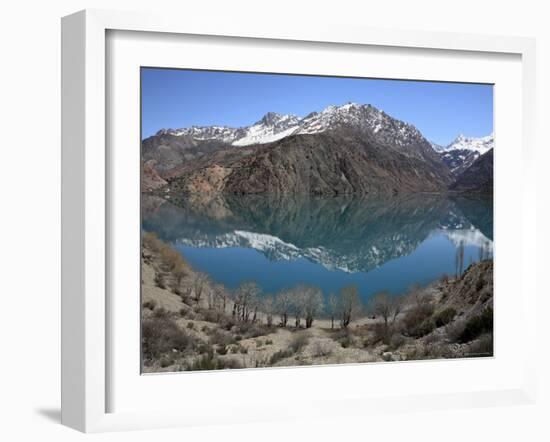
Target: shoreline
(188,323)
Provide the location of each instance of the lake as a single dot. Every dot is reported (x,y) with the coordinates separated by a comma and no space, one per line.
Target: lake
(376,244)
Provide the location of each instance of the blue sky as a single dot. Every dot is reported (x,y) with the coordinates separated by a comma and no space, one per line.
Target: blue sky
(173,98)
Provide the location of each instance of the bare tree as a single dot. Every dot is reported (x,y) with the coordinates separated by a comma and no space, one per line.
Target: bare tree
(387,307)
(312,300)
(221,296)
(246,301)
(459,259)
(283,305)
(185,292)
(332,307)
(199,282)
(350,304)
(179,272)
(210,298)
(268,307)
(234,295)
(297,303)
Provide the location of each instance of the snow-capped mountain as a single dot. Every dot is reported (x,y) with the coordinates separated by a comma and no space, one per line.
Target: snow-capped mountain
(273,127)
(463,151)
(219,133)
(479,145)
(365,117)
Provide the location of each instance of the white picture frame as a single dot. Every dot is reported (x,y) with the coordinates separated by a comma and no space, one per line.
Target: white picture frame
(87,211)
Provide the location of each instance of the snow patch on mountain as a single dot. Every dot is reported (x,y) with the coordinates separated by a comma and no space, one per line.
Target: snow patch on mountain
(273,127)
(262,135)
(479,145)
(437,147)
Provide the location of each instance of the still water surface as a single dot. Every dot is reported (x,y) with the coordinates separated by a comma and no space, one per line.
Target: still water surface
(376,244)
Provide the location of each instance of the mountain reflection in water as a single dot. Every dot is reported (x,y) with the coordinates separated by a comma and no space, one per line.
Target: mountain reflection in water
(377,244)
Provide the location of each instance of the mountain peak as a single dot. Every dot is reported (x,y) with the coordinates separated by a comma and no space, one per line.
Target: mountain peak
(477,144)
(463,151)
(273,126)
(273,118)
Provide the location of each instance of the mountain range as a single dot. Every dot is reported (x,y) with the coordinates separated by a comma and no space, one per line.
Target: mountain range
(348,149)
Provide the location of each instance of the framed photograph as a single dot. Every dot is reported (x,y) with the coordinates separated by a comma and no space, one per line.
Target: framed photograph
(284,221)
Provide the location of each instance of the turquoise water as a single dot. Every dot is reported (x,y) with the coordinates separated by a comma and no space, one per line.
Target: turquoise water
(375,244)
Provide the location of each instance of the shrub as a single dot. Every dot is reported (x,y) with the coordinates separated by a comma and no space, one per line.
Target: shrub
(232,363)
(166,362)
(444,317)
(280,355)
(206,362)
(483,346)
(321,348)
(227,323)
(161,313)
(203,348)
(426,327)
(222,350)
(211,315)
(432,339)
(343,337)
(455,329)
(345,341)
(183,312)
(251,330)
(151,304)
(268,342)
(218,337)
(396,341)
(477,325)
(298,342)
(159,281)
(190,325)
(381,333)
(417,321)
(160,335)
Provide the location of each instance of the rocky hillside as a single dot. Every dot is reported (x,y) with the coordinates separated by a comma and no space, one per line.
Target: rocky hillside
(478,178)
(150,179)
(169,151)
(459,160)
(472,293)
(330,163)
